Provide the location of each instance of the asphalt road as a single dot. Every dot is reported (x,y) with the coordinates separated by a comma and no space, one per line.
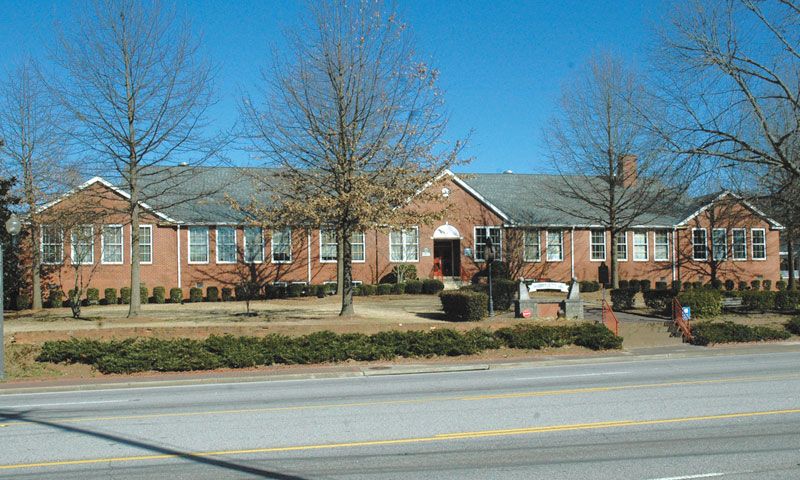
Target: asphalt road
(729,417)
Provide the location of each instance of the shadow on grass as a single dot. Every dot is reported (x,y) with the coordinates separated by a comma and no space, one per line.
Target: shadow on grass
(432,316)
(156,449)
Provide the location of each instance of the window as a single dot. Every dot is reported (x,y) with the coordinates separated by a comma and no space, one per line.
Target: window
(598,245)
(481,236)
(622,246)
(404,245)
(358,244)
(533,251)
(83,245)
(253,244)
(146,244)
(555,246)
(661,246)
(719,244)
(282,246)
(198,244)
(739,243)
(699,244)
(640,246)
(112,244)
(226,245)
(327,246)
(759,239)
(52,245)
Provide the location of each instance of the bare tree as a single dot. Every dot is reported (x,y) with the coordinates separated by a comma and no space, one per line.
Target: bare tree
(778,194)
(354,121)
(34,151)
(732,80)
(614,172)
(135,81)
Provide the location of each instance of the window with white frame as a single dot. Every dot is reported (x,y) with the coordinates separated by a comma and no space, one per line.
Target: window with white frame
(198,244)
(661,246)
(622,246)
(226,244)
(146,244)
(699,244)
(719,244)
(598,245)
(404,245)
(253,244)
(739,243)
(112,244)
(759,239)
(52,244)
(83,245)
(358,246)
(555,246)
(327,245)
(282,245)
(533,247)
(482,234)
(640,247)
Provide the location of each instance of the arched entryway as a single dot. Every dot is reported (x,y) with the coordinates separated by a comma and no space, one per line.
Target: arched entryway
(447,250)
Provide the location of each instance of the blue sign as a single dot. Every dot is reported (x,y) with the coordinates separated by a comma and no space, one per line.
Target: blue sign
(687,313)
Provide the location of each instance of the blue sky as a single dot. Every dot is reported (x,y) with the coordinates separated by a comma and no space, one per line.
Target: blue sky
(502,63)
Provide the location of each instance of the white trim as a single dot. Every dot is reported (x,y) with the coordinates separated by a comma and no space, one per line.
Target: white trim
(178,248)
(753,244)
(109,185)
(103,244)
(72,246)
(538,244)
(321,260)
(308,255)
(674,254)
(488,232)
(244,244)
(152,242)
(775,225)
(733,244)
(41,243)
(235,245)
(364,236)
(646,246)
(591,244)
(474,193)
(403,243)
(705,249)
(655,244)
(189,246)
(547,245)
(624,235)
(572,253)
(713,245)
(272,245)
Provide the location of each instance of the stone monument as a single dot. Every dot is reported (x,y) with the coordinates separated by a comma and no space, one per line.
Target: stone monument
(573,305)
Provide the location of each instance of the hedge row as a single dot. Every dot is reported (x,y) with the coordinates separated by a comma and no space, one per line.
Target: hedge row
(763,301)
(705,333)
(428,286)
(145,354)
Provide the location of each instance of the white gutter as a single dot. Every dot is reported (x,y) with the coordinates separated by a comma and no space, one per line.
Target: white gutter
(572,253)
(674,254)
(178,239)
(308,254)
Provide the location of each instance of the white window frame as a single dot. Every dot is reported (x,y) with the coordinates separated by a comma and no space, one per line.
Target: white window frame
(624,243)
(189,245)
(646,246)
(656,244)
(235,245)
(61,243)
(592,244)
(363,244)
(262,244)
(753,243)
(403,244)
(498,249)
(121,244)
(537,234)
(695,245)
(328,231)
(90,261)
(560,257)
(149,227)
(287,231)
(733,244)
(714,245)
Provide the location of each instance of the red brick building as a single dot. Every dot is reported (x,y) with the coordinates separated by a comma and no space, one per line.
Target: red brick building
(205,242)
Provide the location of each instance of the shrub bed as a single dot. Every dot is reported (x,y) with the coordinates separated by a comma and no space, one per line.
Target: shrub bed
(110,296)
(175,295)
(503,292)
(144,354)
(432,286)
(589,286)
(92,296)
(787,300)
(195,295)
(705,333)
(125,295)
(793,325)
(622,298)
(212,294)
(386,288)
(758,300)
(659,300)
(414,287)
(704,302)
(159,295)
(464,305)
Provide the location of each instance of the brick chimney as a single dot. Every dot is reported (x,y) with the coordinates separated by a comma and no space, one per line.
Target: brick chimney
(627,172)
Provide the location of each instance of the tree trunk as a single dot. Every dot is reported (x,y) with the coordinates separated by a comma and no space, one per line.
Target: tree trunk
(36,267)
(135,307)
(790,260)
(346,254)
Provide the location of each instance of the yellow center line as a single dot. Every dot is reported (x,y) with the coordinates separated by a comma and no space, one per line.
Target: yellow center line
(401,441)
(412,401)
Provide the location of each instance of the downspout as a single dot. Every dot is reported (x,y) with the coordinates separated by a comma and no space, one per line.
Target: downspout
(674,254)
(178,240)
(572,253)
(308,254)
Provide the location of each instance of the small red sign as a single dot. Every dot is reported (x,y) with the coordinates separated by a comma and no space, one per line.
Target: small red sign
(526,313)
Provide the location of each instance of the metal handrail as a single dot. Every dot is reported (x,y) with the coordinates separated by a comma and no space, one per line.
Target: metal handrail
(610,319)
(680,322)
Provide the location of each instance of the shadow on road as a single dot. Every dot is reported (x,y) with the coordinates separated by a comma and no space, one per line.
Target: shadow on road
(215,462)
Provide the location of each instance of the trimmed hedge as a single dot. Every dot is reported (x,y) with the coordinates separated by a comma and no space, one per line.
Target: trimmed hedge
(588,286)
(294,290)
(787,300)
(144,354)
(464,305)
(705,333)
(781,285)
(414,287)
(125,295)
(195,295)
(432,286)
(758,300)
(729,285)
(622,298)
(143,297)
(159,295)
(793,325)
(175,295)
(92,296)
(110,296)
(704,302)
(659,300)
(227,294)
(386,288)
(398,288)
(767,284)
(212,294)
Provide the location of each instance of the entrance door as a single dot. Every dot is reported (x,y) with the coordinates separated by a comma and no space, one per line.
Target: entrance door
(448,253)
